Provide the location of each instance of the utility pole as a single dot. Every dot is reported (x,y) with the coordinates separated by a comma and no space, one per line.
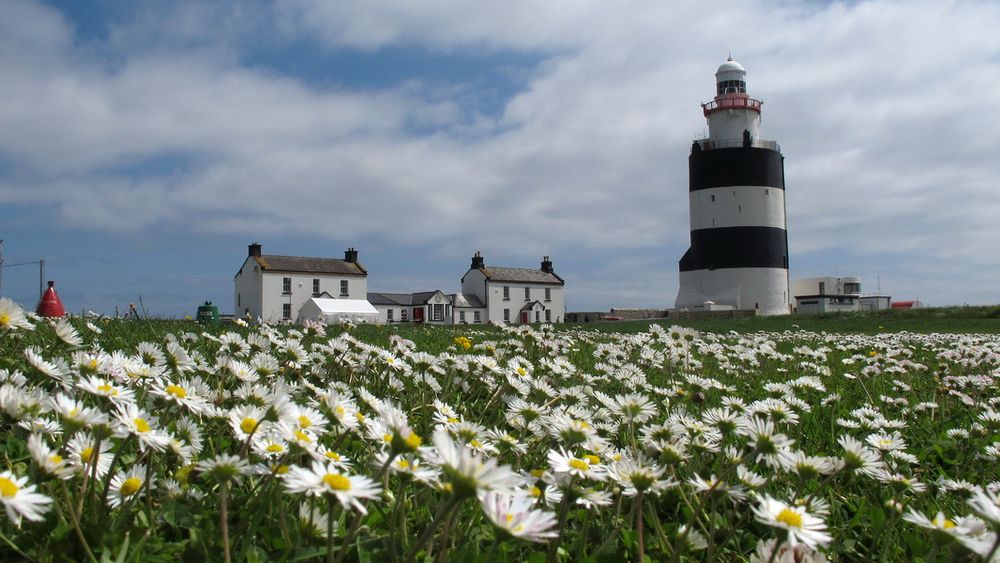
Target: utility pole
(1,266)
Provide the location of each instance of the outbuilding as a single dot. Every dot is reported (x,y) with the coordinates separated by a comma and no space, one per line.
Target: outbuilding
(337,311)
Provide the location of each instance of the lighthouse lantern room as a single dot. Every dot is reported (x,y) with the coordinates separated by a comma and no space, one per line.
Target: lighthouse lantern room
(738,256)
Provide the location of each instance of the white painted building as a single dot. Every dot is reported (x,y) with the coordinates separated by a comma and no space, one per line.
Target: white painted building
(490,294)
(516,295)
(274,288)
(832,294)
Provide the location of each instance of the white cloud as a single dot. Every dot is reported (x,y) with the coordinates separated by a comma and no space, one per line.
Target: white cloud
(885,112)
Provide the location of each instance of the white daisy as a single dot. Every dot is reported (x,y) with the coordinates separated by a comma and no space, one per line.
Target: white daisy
(515,515)
(800,526)
(321,480)
(20,499)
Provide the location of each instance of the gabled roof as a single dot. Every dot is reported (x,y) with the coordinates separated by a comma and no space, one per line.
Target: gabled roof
(520,275)
(302,264)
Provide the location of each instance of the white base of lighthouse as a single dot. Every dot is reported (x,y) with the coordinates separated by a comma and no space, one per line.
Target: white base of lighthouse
(763,289)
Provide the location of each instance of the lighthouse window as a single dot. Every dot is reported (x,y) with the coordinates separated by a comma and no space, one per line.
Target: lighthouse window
(732,87)
(713,198)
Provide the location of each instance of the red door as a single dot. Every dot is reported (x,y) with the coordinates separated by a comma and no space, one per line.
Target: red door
(418,315)
(524,317)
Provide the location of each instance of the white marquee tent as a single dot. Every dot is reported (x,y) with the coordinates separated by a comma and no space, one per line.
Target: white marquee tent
(336,311)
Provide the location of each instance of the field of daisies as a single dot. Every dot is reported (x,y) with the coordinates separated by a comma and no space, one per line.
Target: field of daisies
(148,441)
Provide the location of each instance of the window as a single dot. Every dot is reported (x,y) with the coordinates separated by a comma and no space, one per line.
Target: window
(438,312)
(713,198)
(388,315)
(548,294)
(286,285)
(506,293)
(476,317)
(527,294)
(852,287)
(343,288)
(506,315)
(402,315)
(286,310)
(315,287)
(238,301)
(822,288)
(538,316)
(461,316)
(548,315)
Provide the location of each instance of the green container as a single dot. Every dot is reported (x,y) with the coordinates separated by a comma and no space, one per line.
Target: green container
(207,313)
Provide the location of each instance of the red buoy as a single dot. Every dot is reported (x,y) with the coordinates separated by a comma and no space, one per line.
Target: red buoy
(50,305)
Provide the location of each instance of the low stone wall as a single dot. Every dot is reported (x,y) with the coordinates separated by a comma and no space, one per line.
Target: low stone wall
(703,315)
(638,314)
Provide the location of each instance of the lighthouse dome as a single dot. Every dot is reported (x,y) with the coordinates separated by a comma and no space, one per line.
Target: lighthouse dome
(729,66)
(731,78)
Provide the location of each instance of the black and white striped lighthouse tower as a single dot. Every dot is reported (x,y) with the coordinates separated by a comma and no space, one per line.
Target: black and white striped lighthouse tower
(739,246)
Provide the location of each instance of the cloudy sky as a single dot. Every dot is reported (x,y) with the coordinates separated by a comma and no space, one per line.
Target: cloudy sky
(143,145)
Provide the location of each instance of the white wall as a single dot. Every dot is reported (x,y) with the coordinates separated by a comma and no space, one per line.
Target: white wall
(302,290)
(246,291)
(738,206)
(765,289)
(730,124)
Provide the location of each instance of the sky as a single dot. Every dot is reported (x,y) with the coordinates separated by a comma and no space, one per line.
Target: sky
(144,145)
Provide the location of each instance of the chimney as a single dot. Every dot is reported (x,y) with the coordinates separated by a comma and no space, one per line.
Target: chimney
(477,261)
(547,265)
(351,255)
(254,250)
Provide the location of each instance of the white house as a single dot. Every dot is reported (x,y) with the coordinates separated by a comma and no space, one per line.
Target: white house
(490,294)
(274,288)
(516,295)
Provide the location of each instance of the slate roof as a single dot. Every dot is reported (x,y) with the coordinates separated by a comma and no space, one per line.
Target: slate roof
(466,300)
(403,299)
(520,275)
(275,263)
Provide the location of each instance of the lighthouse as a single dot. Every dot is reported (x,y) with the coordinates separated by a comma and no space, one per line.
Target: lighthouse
(738,256)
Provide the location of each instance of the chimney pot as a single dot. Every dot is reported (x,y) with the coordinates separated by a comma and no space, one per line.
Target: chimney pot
(253,250)
(478,261)
(351,255)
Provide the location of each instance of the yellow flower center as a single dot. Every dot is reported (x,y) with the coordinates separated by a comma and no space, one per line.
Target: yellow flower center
(579,464)
(476,443)
(8,488)
(86,454)
(93,364)
(790,518)
(535,492)
(141,425)
(275,448)
(452,419)
(130,486)
(303,437)
(4,321)
(522,372)
(360,417)
(176,391)
(413,441)
(340,411)
(403,464)
(593,459)
(537,473)
(337,482)
(333,455)
(55,459)
(304,422)
(508,518)
(281,470)
(104,388)
(74,412)
(248,424)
